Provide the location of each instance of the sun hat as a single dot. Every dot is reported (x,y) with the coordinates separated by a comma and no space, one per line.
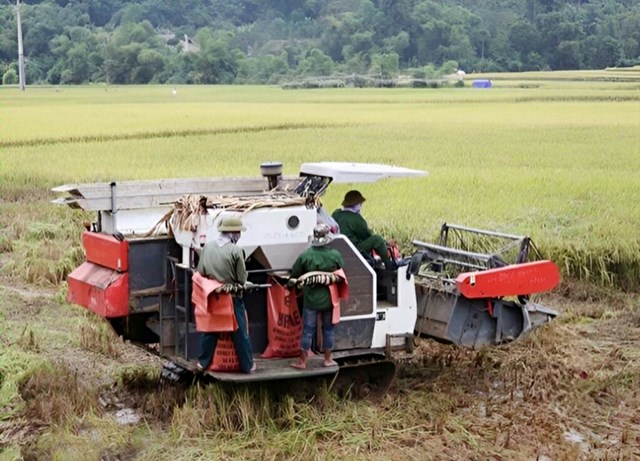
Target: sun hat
(352,198)
(231,225)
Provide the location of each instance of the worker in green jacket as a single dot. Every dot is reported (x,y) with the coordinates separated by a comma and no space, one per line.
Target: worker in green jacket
(355,228)
(223,261)
(316,298)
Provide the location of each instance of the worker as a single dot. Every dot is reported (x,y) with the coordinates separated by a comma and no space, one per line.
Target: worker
(355,228)
(316,298)
(223,261)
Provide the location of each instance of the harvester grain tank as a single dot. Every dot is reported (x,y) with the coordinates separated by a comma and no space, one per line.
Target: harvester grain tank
(141,251)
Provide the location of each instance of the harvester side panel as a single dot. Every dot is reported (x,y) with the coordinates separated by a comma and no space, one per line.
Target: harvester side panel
(357,316)
(354,334)
(148,267)
(99,289)
(360,277)
(106,250)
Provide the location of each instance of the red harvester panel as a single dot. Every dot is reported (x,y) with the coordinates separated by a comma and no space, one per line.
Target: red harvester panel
(512,280)
(106,250)
(101,290)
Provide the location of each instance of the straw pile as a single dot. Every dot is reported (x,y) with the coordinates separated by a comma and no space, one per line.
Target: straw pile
(187,210)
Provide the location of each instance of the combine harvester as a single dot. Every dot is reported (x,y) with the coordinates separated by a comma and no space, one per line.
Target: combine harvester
(140,255)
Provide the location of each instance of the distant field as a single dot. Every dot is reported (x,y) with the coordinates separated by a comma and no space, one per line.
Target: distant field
(625,74)
(557,160)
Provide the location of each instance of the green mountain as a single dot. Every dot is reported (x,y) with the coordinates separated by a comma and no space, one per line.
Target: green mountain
(257,41)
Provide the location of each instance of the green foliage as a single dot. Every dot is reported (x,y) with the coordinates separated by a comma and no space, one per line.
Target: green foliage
(10,77)
(315,62)
(245,41)
(387,64)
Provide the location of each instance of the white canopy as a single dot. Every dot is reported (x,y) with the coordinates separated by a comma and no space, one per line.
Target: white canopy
(345,172)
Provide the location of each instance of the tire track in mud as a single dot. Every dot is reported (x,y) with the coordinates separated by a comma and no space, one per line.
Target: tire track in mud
(24,291)
(99,138)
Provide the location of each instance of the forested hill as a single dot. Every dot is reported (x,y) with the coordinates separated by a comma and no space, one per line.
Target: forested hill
(257,41)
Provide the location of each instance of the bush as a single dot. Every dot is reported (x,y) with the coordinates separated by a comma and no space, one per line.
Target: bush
(10,77)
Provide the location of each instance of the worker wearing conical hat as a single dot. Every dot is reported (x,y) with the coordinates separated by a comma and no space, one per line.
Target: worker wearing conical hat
(223,261)
(355,228)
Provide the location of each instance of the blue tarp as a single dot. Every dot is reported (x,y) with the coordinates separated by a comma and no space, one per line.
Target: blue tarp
(482,84)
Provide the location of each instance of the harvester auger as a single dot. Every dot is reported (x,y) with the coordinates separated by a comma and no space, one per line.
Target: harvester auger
(141,253)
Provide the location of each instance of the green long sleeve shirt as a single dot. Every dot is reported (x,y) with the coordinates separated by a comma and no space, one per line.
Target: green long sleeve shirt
(317,298)
(224,263)
(352,225)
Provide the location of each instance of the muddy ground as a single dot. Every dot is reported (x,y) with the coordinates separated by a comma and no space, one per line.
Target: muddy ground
(569,391)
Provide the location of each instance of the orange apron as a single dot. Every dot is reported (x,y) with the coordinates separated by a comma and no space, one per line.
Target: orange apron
(213,311)
(338,291)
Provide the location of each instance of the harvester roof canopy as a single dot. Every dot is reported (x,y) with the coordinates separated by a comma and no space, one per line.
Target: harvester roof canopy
(345,172)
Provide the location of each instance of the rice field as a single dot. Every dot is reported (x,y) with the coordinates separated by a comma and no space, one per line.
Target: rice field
(558,161)
(554,156)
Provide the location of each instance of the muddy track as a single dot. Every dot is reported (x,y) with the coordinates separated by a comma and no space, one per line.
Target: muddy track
(56,329)
(36,308)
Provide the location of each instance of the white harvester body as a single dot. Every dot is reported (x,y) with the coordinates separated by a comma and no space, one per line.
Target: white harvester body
(142,249)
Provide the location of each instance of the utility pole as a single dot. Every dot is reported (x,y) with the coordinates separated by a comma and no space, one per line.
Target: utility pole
(20,50)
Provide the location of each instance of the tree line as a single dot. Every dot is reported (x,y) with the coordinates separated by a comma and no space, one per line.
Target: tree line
(254,41)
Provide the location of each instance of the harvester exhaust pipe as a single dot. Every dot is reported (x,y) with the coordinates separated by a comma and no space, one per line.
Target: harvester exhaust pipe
(273,172)
(112,187)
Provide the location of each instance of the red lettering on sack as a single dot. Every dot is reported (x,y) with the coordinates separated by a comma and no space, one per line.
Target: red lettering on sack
(284,323)
(225,357)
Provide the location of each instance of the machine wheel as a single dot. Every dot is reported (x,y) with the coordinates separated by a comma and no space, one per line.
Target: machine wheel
(368,378)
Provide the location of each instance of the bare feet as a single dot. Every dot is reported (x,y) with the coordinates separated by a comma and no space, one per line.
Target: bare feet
(253,368)
(328,361)
(300,365)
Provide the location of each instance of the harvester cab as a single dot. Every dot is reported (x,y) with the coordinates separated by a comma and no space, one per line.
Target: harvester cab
(143,247)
